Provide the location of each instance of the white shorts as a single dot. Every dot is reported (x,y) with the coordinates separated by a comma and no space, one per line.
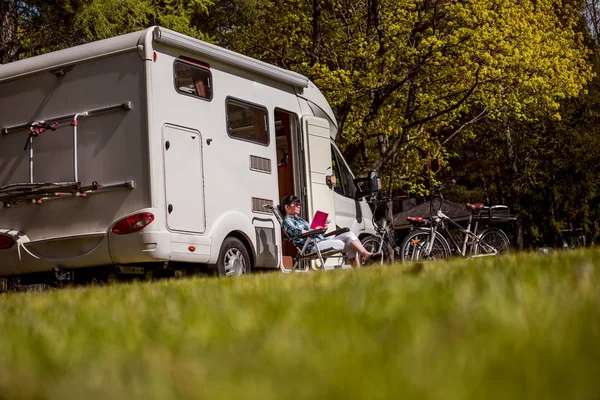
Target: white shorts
(340,242)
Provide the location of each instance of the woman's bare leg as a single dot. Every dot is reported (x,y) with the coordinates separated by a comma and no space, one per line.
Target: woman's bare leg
(359,248)
(355,262)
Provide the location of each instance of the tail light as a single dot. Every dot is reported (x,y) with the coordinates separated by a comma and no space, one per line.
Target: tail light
(133,223)
(6,242)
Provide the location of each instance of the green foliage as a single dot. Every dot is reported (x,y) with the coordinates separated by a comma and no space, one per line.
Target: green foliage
(47,25)
(404,77)
(553,174)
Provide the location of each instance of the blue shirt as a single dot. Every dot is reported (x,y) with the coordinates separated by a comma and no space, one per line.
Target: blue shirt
(293,226)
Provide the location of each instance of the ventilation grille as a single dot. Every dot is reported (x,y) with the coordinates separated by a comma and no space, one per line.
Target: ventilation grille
(258,205)
(260,164)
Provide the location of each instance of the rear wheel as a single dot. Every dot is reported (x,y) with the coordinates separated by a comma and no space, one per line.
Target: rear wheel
(414,245)
(372,243)
(233,258)
(494,238)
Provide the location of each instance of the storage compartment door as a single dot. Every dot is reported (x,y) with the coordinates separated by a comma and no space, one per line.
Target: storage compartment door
(319,166)
(184,183)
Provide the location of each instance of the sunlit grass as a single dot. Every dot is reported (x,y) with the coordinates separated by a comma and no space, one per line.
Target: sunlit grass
(525,326)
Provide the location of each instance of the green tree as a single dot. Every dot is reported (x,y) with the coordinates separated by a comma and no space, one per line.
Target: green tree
(47,25)
(552,168)
(406,77)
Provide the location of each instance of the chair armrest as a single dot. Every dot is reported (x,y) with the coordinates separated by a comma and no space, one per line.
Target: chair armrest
(337,232)
(319,231)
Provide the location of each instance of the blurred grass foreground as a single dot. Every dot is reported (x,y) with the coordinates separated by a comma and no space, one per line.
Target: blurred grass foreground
(525,326)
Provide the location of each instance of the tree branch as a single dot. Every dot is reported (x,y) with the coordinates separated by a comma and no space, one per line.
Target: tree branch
(478,118)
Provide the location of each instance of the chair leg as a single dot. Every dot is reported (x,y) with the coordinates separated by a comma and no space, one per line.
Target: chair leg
(296,267)
(305,267)
(322,261)
(286,270)
(320,258)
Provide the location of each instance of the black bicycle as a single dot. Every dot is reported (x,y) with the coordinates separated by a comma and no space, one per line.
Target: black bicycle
(385,240)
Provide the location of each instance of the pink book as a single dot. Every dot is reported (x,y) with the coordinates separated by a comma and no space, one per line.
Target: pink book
(320,219)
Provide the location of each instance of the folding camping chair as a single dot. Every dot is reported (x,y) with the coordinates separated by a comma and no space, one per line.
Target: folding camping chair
(303,257)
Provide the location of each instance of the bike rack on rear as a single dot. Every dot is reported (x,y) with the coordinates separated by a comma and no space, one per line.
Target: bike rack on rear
(36,192)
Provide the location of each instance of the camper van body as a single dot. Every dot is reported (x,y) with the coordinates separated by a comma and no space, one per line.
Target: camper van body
(155,147)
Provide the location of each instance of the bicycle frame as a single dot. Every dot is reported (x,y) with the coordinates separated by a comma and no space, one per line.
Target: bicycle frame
(384,233)
(468,234)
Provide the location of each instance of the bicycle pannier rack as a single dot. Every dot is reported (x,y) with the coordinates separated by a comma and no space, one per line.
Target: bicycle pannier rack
(494,214)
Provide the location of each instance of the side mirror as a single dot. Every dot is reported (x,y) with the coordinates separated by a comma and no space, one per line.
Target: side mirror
(369,186)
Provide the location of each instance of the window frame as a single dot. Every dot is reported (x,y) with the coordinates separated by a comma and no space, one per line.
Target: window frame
(251,104)
(193,66)
(341,164)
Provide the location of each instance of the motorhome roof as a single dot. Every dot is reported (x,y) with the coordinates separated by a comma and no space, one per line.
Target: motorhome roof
(142,42)
(229,57)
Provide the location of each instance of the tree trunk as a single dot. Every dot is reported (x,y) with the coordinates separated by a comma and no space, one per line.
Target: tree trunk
(8,31)
(593,7)
(317,31)
(515,192)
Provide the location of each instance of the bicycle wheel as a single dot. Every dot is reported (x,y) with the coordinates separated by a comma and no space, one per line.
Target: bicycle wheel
(413,246)
(495,238)
(372,243)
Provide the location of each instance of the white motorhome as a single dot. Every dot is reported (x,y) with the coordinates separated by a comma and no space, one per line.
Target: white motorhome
(154,148)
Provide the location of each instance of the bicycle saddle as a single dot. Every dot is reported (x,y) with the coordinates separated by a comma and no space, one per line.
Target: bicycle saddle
(416,220)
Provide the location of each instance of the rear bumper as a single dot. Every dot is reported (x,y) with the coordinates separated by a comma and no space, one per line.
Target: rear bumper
(68,252)
(148,246)
(101,248)
(77,251)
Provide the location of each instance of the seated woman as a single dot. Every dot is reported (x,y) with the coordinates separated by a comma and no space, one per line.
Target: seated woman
(347,242)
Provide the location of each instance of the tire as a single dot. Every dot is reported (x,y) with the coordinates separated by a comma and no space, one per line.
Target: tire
(413,246)
(371,244)
(233,259)
(495,238)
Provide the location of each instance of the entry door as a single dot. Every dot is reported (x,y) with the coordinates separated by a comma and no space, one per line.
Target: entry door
(184,183)
(319,167)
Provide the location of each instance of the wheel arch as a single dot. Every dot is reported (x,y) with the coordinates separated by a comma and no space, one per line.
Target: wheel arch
(364,235)
(246,242)
(230,224)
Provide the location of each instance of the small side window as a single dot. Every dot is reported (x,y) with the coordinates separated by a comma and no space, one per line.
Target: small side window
(247,121)
(193,80)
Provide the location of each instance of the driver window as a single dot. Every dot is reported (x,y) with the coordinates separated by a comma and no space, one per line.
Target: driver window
(336,172)
(345,184)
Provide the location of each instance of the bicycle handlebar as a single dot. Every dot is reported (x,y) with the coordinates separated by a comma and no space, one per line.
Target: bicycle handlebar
(436,190)
(442,185)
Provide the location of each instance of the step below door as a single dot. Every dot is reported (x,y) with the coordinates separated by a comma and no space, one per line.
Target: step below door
(184,181)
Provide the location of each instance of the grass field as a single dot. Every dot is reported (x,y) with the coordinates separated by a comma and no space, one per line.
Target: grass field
(526,326)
